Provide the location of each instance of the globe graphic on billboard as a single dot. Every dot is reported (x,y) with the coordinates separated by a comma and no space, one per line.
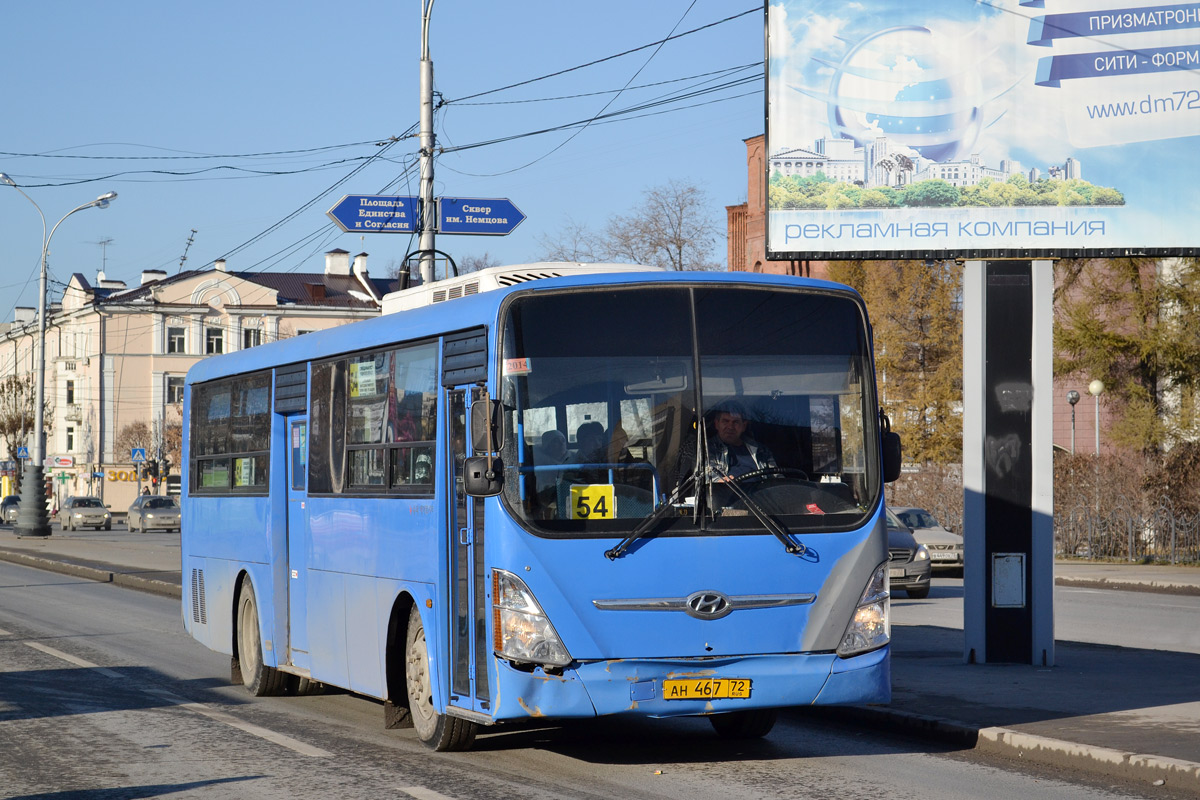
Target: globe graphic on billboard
(909,85)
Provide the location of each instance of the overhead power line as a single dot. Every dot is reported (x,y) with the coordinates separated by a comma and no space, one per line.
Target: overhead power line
(755,10)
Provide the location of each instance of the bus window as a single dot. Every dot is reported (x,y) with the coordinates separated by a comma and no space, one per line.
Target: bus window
(374,422)
(634,403)
(231,435)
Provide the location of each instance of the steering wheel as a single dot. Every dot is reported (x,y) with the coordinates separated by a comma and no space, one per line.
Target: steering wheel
(762,472)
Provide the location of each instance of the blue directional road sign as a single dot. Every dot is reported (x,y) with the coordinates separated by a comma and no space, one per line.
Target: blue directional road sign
(137,454)
(366,213)
(22,452)
(478,216)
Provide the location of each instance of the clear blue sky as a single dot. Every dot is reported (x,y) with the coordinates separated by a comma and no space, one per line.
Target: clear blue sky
(136,85)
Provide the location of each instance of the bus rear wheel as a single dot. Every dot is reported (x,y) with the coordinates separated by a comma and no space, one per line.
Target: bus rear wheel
(437,731)
(753,724)
(257,677)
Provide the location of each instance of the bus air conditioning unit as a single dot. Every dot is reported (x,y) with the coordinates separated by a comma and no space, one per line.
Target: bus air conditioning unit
(485,280)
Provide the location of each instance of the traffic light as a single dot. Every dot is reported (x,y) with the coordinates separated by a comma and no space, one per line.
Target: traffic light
(153,468)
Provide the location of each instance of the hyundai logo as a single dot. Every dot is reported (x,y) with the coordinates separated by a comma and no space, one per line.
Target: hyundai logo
(708,605)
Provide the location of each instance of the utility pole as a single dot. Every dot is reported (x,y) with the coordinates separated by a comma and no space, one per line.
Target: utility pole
(186,247)
(428,216)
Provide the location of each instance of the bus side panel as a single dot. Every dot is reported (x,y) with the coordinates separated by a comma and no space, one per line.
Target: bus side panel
(210,612)
(363,644)
(327,627)
(238,534)
(355,542)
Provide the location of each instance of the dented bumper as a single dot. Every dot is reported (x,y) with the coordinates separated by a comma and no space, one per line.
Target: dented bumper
(635,686)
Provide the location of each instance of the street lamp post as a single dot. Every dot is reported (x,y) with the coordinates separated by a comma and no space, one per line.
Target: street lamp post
(1095,389)
(1072,398)
(32,519)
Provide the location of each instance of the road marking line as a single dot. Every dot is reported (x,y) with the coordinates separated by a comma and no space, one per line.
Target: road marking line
(280,739)
(263,733)
(5,633)
(421,793)
(70,659)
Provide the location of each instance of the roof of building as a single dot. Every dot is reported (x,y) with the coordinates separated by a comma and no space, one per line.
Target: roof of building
(298,288)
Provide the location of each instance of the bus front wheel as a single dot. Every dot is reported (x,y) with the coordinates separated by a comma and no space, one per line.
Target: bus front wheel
(260,679)
(438,731)
(752,724)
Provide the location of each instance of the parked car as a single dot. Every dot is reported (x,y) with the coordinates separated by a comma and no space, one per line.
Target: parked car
(81,512)
(152,511)
(945,548)
(909,567)
(8,508)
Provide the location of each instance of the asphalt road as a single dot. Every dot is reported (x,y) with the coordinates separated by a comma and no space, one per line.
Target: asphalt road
(104,696)
(1141,620)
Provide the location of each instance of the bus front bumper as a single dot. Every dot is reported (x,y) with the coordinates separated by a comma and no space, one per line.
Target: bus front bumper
(636,686)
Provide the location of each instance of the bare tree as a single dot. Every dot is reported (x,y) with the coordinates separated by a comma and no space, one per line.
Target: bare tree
(134,435)
(575,242)
(672,228)
(18,398)
(475,263)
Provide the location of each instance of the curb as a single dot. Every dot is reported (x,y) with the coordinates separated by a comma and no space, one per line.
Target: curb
(1152,587)
(1138,767)
(151,585)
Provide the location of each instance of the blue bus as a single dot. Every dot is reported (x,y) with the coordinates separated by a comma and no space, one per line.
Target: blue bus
(602,493)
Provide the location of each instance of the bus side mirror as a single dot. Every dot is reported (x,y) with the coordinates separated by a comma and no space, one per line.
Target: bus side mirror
(487,425)
(481,476)
(891,456)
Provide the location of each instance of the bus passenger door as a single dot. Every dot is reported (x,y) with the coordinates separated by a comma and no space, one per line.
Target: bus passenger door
(297,546)
(467,585)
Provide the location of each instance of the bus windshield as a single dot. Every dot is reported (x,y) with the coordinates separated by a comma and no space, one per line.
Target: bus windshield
(616,397)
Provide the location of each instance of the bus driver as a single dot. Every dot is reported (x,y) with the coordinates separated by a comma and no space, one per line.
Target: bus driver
(731,450)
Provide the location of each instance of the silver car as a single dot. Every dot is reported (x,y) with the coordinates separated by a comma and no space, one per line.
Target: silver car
(945,548)
(84,512)
(9,507)
(152,511)
(908,562)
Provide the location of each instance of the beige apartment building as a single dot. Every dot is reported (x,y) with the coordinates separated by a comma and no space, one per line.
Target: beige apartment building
(116,356)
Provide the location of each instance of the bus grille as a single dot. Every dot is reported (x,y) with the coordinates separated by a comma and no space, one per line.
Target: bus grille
(199,606)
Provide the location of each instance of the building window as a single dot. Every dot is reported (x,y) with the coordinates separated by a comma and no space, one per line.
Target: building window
(214,341)
(70,440)
(251,337)
(70,393)
(176,340)
(175,390)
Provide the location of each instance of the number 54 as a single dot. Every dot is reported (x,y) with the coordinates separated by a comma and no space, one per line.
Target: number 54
(593,501)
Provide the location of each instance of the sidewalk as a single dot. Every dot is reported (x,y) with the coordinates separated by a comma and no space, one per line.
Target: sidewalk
(1120,711)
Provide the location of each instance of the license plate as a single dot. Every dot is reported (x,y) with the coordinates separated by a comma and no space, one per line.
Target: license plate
(706,689)
(944,556)
(897,572)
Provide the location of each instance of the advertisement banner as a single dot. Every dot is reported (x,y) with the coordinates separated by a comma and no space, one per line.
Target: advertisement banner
(969,128)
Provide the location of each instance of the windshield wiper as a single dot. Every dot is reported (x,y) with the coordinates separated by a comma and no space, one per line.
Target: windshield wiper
(649,520)
(769,522)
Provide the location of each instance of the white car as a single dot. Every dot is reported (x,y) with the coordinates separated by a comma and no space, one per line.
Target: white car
(153,511)
(84,512)
(945,548)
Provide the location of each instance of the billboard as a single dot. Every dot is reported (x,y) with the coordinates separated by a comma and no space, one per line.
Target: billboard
(982,128)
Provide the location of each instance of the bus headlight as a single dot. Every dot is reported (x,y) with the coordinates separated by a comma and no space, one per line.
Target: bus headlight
(870,627)
(521,630)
